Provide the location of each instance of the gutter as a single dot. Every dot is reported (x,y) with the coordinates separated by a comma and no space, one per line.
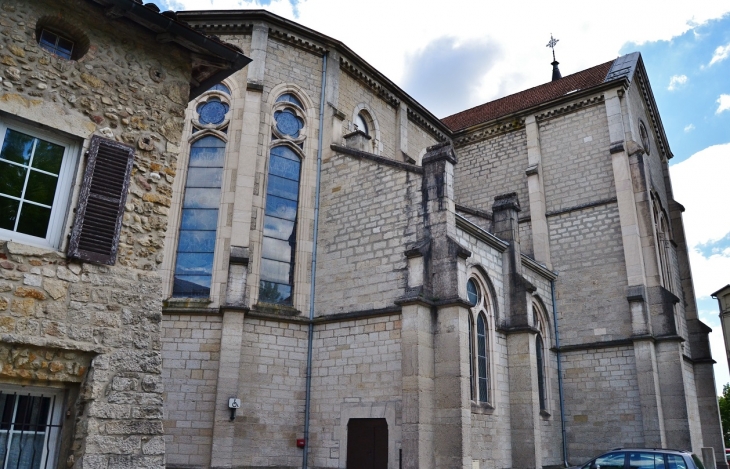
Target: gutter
(560,377)
(310,329)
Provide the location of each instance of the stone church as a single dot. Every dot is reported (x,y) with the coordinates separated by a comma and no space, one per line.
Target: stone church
(258,251)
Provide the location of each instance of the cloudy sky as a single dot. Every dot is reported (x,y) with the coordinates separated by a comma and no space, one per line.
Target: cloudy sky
(454,55)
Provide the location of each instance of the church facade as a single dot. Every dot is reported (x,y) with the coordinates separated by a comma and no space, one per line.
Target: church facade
(361,281)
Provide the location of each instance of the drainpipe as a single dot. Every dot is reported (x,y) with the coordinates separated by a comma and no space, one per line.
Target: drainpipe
(310,332)
(560,377)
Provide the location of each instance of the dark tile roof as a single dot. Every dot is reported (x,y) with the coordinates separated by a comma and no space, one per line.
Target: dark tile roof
(528,98)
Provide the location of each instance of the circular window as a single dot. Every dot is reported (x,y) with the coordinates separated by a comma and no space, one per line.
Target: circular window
(472,292)
(212,112)
(644,137)
(288,123)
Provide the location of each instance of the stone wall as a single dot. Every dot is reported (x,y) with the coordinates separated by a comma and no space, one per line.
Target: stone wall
(190,359)
(368,216)
(96,325)
(418,141)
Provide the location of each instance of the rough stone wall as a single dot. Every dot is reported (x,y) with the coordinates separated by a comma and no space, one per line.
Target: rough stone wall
(66,307)
(367,218)
(354,92)
(288,64)
(492,167)
(586,249)
(273,373)
(418,140)
(576,167)
(356,374)
(190,358)
(526,245)
(602,379)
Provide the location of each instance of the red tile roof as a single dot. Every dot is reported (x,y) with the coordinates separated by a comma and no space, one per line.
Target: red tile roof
(526,99)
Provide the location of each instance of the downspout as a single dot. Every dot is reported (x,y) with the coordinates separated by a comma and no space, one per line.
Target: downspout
(560,377)
(310,332)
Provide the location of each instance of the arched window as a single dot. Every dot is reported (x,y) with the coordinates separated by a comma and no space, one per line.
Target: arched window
(540,371)
(278,251)
(202,198)
(362,124)
(479,366)
(541,324)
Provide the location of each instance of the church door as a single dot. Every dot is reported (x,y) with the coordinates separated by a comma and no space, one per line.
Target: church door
(367,444)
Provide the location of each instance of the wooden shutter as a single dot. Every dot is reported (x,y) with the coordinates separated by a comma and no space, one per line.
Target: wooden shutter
(95,234)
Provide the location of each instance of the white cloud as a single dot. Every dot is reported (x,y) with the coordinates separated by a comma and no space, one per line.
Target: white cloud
(723,103)
(721,53)
(676,81)
(689,128)
(387,32)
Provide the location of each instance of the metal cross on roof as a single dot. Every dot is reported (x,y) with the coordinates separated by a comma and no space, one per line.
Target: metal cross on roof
(551,44)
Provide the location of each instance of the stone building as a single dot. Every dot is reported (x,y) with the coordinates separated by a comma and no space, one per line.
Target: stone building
(349,277)
(92,103)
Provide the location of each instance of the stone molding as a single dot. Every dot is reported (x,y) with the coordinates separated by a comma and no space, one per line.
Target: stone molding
(575,208)
(493,130)
(425,125)
(377,159)
(379,89)
(571,107)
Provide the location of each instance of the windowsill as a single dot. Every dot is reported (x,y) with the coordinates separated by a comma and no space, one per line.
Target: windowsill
(188,306)
(544,414)
(276,309)
(483,408)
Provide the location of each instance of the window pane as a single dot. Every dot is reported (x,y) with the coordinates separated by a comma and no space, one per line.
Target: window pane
(275,271)
(17,147)
(611,461)
(48,38)
(281,208)
(675,462)
(41,188)
(289,98)
(212,112)
(482,359)
(192,286)
(196,241)
(472,293)
(278,228)
(48,156)
(639,460)
(284,167)
(194,264)
(271,292)
(34,220)
(277,249)
(200,219)
(204,177)
(8,213)
(284,188)
(208,152)
(12,178)
(202,198)
(220,87)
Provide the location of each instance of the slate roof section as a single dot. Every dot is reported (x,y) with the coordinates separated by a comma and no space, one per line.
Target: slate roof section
(529,98)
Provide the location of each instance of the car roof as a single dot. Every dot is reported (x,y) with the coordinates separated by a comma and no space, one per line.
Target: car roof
(650,450)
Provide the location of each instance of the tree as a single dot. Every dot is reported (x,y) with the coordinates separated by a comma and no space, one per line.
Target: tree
(724,403)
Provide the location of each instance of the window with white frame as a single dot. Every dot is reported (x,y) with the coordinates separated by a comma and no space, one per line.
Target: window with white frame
(478,329)
(36,176)
(30,425)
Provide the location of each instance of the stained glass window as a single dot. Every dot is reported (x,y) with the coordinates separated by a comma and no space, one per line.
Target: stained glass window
(196,242)
(289,98)
(288,123)
(220,87)
(540,371)
(280,221)
(482,362)
(212,112)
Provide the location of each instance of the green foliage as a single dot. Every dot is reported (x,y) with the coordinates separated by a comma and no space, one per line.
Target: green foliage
(724,403)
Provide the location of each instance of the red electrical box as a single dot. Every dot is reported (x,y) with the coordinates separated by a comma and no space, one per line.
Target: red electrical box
(300,442)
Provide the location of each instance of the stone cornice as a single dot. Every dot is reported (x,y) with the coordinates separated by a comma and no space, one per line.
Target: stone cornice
(425,125)
(495,128)
(357,73)
(569,107)
(538,268)
(289,38)
(656,121)
(377,159)
(480,234)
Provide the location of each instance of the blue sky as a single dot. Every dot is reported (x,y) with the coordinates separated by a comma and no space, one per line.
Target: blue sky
(458,54)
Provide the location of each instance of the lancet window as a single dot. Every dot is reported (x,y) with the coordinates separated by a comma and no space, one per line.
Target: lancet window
(479,346)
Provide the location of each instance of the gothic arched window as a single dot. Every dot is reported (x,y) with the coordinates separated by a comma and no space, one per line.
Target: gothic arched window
(479,366)
(201,201)
(541,324)
(282,202)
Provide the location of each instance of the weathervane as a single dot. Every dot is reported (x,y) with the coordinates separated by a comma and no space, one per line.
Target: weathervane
(551,44)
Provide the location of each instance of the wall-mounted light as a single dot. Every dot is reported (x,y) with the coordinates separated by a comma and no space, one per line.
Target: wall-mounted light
(233,404)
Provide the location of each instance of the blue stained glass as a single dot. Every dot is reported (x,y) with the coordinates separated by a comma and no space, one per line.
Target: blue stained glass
(285,152)
(277,249)
(278,228)
(204,177)
(288,123)
(220,87)
(284,167)
(212,112)
(200,219)
(194,263)
(472,293)
(204,154)
(284,188)
(196,241)
(289,98)
(281,208)
(202,197)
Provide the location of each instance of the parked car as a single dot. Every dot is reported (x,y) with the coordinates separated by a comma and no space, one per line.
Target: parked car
(640,458)
(727,454)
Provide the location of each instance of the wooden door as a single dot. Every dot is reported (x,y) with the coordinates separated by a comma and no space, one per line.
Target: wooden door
(367,444)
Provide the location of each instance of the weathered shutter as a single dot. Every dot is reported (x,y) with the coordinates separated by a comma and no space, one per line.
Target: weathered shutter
(95,234)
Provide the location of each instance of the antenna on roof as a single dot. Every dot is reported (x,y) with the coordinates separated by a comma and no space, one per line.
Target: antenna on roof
(556,70)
